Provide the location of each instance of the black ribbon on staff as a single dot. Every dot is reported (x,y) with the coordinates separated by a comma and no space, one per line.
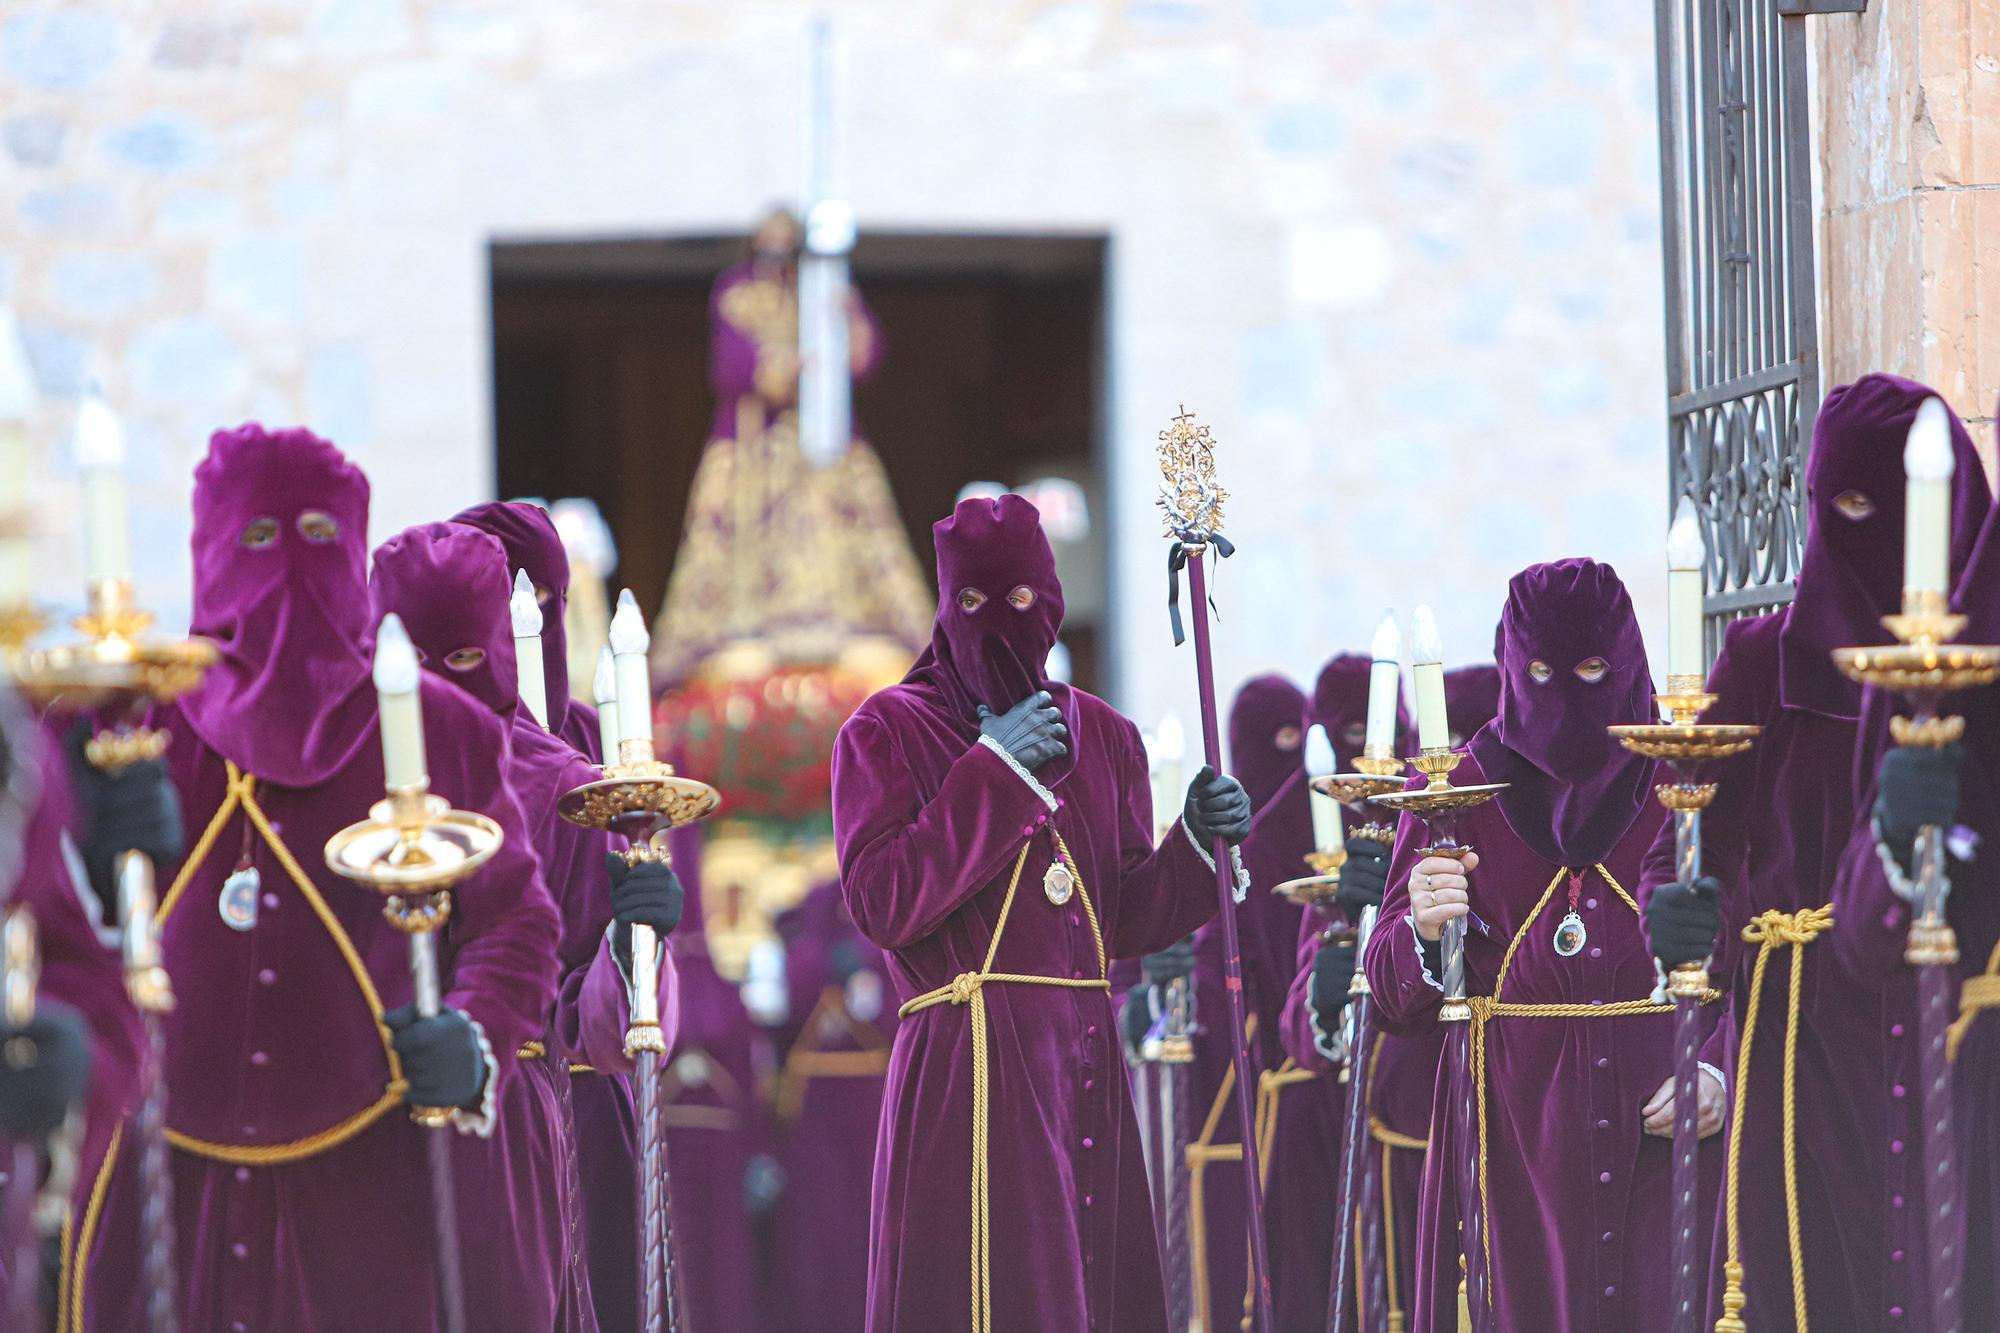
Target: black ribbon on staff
(1177,558)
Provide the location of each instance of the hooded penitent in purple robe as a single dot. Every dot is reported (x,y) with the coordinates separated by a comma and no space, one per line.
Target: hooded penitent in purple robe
(1311,1116)
(828,1103)
(79,971)
(1471,698)
(601,1102)
(1574,1193)
(1010,1192)
(1266,721)
(300,1187)
(1772,838)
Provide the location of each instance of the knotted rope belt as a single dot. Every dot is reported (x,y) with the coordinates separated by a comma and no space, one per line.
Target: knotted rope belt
(1977,993)
(1770,931)
(1486,1008)
(968,988)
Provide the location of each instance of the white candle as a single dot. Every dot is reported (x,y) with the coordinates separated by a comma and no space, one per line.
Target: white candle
(1384,677)
(604,688)
(17,404)
(100,459)
(1427,664)
(526,614)
(1320,763)
(397,678)
(629,645)
(1685,556)
(1171,747)
(1927,459)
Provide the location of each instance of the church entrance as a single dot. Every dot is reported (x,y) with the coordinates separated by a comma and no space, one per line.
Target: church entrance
(993,372)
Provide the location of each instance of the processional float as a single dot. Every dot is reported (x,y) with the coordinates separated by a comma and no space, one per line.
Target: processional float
(1191,500)
(641,798)
(1685,743)
(112,671)
(1440,805)
(1924,666)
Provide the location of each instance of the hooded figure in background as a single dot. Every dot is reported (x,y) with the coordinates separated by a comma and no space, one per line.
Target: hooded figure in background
(292,1052)
(1562,1089)
(1471,699)
(1771,842)
(451,585)
(995,836)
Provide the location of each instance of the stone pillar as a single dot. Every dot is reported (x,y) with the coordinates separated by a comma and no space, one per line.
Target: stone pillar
(1909,145)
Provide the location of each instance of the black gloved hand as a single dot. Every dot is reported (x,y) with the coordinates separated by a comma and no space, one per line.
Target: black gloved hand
(1217,807)
(1364,878)
(131,809)
(647,894)
(1333,973)
(1915,787)
(1169,964)
(441,1058)
(1682,921)
(1032,731)
(44,1069)
(1135,1020)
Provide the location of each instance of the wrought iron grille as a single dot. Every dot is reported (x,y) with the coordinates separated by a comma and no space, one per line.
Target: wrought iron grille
(1737,240)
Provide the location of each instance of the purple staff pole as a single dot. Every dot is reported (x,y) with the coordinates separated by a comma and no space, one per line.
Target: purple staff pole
(1232,949)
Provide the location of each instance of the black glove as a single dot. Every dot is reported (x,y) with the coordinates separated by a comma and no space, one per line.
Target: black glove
(1682,922)
(44,1069)
(1169,964)
(1915,787)
(131,809)
(1333,973)
(1217,807)
(441,1058)
(1364,878)
(1032,731)
(647,894)
(1135,1020)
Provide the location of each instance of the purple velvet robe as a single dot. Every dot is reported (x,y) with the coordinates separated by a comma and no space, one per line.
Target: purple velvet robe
(1773,838)
(79,970)
(829,1101)
(931,821)
(606,1138)
(301,1195)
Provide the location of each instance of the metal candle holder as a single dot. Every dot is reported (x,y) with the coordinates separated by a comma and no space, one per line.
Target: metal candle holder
(1439,805)
(1685,743)
(1924,666)
(114,661)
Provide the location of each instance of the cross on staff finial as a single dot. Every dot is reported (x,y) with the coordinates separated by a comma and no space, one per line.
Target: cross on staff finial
(1191,498)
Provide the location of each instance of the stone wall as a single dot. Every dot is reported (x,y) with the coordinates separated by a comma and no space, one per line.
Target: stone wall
(1909,112)
(1402,254)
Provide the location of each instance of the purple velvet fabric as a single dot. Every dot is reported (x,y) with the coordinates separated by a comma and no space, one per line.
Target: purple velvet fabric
(1471,699)
(1773,838)
(1266,721)
(78,971)
(1576,1193)
(1573,789)
(275,1039)
(930,825)
(829,1103)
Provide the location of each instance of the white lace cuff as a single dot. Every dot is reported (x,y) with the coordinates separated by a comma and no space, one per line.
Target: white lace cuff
(1900,883)
(479,1123)
(1331,1045)
(1048,797)
(1717,1075)
(1423,964)
(1208,859)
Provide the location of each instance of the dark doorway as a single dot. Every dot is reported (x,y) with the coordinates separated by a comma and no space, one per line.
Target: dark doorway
(993,372)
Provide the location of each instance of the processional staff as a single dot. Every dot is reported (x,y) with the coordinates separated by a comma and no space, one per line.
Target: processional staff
(1192,500)
(640,799)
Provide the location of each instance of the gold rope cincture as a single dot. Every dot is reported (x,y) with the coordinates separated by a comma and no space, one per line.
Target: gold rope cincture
(1485,1008)
(1770,931)
(1976,994)
(242,792)
(77,1241)
(967,988)
(804,1063)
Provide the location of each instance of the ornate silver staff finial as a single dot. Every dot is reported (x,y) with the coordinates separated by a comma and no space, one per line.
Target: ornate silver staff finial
(1191,498)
